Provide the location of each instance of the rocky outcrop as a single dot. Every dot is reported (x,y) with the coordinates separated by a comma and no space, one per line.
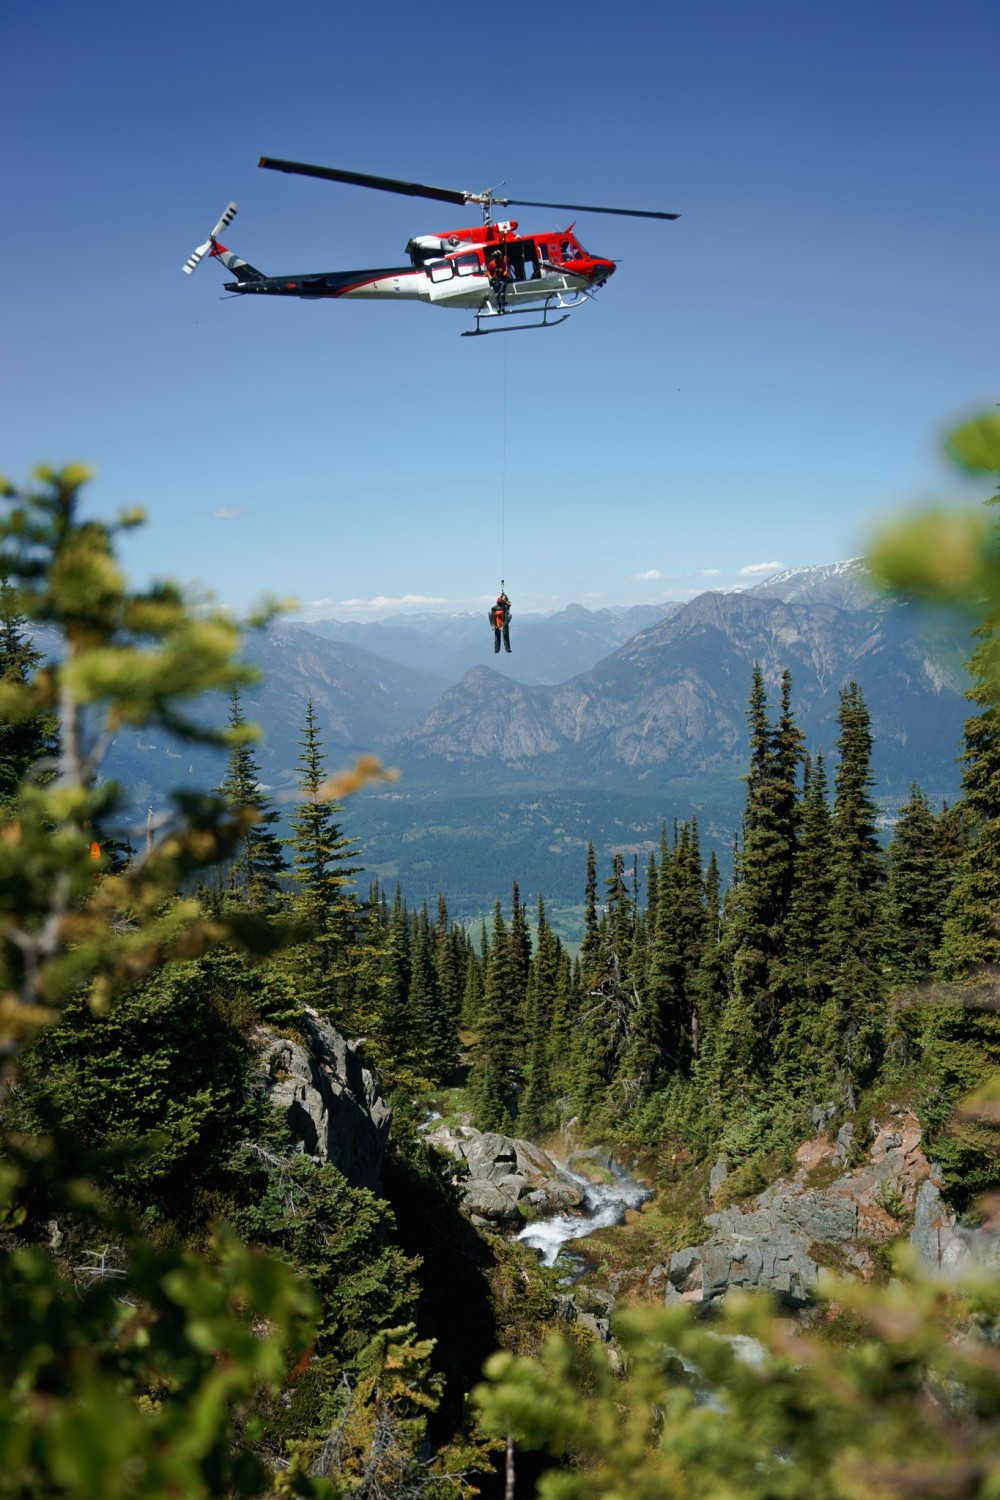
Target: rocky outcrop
(333,1105)
(501,1176)
(778,1240)
(765,1248)
(942,1243)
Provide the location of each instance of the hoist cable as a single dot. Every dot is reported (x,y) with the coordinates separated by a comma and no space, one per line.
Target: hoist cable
(503,468)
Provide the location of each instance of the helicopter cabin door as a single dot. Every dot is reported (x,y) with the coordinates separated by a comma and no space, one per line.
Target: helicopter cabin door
(522,257)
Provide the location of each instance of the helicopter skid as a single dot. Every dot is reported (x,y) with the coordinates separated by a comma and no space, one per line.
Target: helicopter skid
(546,321)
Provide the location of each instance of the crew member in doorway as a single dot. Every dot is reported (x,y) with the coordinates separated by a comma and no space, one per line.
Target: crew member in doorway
(499,272)
(499,617)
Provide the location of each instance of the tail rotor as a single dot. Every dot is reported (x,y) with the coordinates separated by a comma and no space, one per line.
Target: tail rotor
(199,254)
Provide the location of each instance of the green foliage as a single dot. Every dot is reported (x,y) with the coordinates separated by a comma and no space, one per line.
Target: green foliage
(132,1375)
(161,1079)
(129,658)
(338,1236)
(700,1413)
(948,556)
(128,1368)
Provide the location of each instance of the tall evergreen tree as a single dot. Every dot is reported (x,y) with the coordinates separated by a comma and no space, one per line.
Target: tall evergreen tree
(589,946)
(972,931)
(519,958)
(434,1040)
(856,1013)
(758,906)
(709,986)
(537,1112)
(665,975)
(802,1048)
(449,947)
(493,1080)
(321,864)
(916,891)
(254,873)
(26,744)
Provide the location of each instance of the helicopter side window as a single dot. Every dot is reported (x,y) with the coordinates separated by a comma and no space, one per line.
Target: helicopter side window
(439,270)
(569,250)
(466,265)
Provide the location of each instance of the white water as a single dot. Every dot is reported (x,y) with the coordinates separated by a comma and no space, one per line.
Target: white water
(604,1204)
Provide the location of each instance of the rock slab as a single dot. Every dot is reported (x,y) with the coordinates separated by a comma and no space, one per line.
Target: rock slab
(333,1105)
(772,1242)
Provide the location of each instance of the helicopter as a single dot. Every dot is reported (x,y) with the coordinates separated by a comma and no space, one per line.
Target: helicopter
(491,270)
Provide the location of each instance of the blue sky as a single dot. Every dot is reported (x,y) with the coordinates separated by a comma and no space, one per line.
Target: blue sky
(760,381)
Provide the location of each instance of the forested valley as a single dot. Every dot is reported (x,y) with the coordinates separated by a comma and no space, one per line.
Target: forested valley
(192,1306)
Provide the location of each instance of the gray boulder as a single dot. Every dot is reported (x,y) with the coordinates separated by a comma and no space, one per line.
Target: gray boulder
(718,1175)
(333,1105)
(499,1175)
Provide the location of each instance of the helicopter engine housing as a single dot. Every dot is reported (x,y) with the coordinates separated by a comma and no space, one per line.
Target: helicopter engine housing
(425,247)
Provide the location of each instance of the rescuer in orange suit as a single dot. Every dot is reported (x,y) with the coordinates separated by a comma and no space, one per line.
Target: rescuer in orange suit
(499,618)
(499,272)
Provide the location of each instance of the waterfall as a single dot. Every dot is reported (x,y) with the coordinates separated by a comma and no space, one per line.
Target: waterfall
(604,1204)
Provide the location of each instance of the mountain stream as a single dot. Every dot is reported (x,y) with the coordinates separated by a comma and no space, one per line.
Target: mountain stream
(604,1204)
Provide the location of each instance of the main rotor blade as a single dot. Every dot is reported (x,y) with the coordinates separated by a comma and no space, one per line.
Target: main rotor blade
(586,208)
(364,179)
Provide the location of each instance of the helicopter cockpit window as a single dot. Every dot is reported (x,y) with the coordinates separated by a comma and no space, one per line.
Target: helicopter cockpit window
(439,270)
(466,265)
(569,250)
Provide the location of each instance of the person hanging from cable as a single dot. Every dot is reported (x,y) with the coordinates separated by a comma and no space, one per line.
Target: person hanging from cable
(499,618)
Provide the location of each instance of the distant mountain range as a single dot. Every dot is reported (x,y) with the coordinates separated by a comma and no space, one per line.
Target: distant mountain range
(548,648)
(602,724)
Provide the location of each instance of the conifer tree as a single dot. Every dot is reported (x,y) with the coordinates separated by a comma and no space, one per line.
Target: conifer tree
(589,946)
(519,958)
(449,948)
(472,990)
(761,893)
(254,874)
(856,1012)
(613,1057)
(709,984)
(689,906)
(665,984)
(433,1040)
(802,1050)
(652,882)
(620,916)
(916,891)
(393,1039)
(493,1081)
(972,933)
(321,863)
(27,746)
(537,1112)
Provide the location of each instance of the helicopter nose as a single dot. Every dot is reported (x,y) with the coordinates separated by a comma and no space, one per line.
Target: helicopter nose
(603,270)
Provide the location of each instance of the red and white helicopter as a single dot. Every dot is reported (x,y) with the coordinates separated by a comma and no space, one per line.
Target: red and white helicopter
(491,270)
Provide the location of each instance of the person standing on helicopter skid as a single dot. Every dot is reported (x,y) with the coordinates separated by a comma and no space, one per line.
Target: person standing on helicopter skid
(500,274)
(499,618)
